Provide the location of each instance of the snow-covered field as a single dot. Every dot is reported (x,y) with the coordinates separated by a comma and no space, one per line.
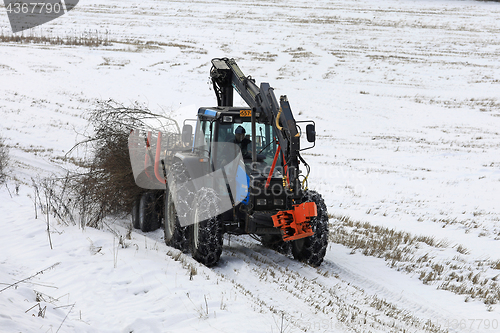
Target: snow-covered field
(405,95)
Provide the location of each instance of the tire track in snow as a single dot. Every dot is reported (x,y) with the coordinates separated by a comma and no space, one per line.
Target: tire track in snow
(310,297)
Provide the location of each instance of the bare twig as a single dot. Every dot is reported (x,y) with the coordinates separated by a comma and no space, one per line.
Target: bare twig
(66,317)
(47,199)
(36,193)
(28,278)
(115,253)
(65,306)
(41,312)
(105,184)
(8,190)
(31,307)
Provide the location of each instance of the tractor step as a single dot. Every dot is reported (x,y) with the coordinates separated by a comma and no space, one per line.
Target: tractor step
(294,223)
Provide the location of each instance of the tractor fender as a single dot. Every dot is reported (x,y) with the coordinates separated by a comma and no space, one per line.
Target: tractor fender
(196,166)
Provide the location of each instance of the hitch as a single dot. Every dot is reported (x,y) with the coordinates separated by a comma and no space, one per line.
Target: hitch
(294,223)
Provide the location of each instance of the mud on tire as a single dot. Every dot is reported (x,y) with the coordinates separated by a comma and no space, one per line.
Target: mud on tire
(312,250)
(206,235)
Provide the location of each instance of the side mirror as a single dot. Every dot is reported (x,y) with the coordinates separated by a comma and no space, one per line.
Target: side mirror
(187,134)
(311,133)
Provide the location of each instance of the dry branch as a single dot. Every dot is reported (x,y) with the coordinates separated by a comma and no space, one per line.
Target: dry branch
(105,186)
(29,278)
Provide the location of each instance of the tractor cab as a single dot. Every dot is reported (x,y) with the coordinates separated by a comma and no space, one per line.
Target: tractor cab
(233,125)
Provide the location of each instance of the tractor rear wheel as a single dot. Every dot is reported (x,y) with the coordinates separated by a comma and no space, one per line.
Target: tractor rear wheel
(175,235)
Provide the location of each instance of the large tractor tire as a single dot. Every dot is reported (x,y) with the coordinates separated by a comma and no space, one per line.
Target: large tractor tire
(206,232)
(175,235)
(312,250)
(148,218)
(183,193)
(135,213)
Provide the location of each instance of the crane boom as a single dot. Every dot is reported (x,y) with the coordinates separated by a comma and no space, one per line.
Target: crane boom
(226,75)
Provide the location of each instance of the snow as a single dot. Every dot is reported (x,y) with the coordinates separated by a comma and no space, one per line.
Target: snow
(405,98)
(113,289)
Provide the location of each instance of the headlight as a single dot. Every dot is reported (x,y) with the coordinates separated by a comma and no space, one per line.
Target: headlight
(279,202)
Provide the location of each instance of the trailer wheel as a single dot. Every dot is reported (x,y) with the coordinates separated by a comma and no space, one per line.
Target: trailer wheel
(175,235)
(148,214)
(206,231)
(312,250)
(135,213)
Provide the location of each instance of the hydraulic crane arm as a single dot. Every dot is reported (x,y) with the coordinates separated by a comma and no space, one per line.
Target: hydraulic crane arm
(226,75)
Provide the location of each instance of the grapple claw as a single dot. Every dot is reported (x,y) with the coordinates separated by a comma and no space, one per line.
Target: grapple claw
(294,223)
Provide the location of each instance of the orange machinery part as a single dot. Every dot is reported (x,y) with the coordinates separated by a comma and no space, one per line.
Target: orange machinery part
(294,223)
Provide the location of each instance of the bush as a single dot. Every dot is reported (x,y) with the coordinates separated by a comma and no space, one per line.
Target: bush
(4,160)
(106,187)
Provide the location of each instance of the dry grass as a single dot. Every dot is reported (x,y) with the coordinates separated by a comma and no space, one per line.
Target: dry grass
(187,263)
(407,253)
(91,38)
(379,241)
(98,38)
(347,305)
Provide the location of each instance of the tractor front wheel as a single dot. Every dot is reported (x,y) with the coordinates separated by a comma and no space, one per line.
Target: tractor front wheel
(311,250)
(206,231)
